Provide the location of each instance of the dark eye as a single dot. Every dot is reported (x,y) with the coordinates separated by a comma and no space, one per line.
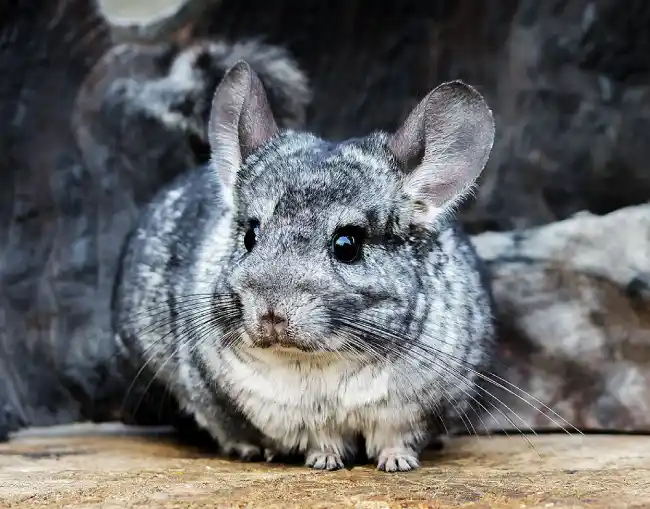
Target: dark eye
(346,244)
(250,237)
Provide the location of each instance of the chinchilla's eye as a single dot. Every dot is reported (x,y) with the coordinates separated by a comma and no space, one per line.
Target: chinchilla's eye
(250,237)
(346,244)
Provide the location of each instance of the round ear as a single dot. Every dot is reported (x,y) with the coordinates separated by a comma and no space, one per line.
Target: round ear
(241,120)
(443,147)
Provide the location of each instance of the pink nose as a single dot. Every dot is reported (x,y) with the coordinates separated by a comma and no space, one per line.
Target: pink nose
(273,324)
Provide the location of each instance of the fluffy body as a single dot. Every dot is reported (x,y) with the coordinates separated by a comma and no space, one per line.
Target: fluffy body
(406,375)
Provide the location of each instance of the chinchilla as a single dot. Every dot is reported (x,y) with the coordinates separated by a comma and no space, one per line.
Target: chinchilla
(302,296)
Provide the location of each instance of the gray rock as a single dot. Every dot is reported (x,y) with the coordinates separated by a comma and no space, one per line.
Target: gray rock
(53,321)
(574,305)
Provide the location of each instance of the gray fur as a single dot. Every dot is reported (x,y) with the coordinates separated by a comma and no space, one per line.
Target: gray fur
(386,348)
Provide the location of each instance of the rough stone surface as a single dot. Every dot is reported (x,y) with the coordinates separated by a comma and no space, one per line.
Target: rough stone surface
(48,280)
(92,470)
(574,302)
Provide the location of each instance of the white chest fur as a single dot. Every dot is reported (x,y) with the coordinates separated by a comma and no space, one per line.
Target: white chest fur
(301,403)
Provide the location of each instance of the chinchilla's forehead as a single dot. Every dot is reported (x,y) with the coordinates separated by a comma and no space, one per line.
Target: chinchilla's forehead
(301,171)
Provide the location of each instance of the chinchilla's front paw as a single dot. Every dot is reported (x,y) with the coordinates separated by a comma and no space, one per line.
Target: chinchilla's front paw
(324,460)
(398,460)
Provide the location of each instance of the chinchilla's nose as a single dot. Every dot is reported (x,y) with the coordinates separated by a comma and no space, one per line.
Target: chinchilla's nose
(273,324)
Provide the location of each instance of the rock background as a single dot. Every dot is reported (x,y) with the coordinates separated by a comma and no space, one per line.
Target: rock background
(574,304)
(569,81)
(90,130)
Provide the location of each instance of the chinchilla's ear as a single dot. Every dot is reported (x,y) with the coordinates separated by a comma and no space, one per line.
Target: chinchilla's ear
(443,147)
(241,120)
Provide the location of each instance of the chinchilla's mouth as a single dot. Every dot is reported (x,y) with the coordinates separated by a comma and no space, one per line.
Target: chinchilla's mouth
(285,346)
(282,344)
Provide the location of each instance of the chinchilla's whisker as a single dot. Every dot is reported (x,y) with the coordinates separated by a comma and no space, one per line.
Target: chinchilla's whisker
(458,376)
(165,307)
(345,348)
(487,377)
(169,355)
(233,337)
(448,397)
(170,323)
(228,338)
(498,400)
(149,358)
(190,333)
(184,300)
(185,304)
(497,378)
(493,361)
(513,386)
(361,350)
(435,361)
(442,340)
(358,341)
(450,369)
(231,334)
(197,330)
(438,357)
(462,414)
(224,338)
(183,309)
(168,319)
(187,315)
(178,313)
(133,382)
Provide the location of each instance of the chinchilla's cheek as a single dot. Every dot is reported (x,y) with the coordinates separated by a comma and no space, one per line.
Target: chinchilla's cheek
(251,307)
(336,342)
(233,277)
(309,315)
(248,311)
